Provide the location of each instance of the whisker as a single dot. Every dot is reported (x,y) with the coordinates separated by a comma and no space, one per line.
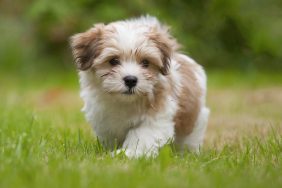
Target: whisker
(105,74)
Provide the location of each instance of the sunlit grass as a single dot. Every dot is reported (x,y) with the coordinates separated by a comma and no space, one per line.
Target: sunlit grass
(45,141)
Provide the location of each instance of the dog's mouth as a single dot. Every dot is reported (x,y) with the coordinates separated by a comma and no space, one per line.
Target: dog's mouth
(129,92)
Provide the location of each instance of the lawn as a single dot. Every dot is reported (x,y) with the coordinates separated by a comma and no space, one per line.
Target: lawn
(45,141)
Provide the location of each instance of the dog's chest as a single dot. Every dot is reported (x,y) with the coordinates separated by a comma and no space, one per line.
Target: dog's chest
(113,126)
(111,122)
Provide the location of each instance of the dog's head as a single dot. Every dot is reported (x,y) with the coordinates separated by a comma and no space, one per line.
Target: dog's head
(127,57)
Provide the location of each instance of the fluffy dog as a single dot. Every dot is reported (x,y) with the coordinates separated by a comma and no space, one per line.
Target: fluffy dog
(139,91)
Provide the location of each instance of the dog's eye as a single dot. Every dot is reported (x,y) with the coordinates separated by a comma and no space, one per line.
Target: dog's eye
(145,63)
(114,62)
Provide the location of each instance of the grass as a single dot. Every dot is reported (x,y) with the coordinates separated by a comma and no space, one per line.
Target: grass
(45,141)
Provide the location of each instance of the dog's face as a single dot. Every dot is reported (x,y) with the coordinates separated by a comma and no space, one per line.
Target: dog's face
(127,59)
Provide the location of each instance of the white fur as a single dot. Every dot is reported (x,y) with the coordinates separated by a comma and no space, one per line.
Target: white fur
(121,120)
(138,133)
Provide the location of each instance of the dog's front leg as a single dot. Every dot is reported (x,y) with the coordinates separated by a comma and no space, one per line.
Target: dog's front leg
(146,139)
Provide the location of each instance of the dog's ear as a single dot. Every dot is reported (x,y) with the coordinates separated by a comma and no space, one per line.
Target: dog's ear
(86,46)
(165,52)
(166,44)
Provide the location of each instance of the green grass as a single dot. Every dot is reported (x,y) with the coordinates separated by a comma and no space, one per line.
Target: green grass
(45,141)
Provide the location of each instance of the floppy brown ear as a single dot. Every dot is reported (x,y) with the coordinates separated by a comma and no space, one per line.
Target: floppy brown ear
(166,44)
(165,51)
(85,46)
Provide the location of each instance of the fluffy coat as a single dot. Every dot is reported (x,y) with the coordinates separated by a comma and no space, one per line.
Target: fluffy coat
(168,101)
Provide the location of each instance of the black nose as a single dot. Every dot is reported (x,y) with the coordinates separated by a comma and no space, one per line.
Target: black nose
(130,81)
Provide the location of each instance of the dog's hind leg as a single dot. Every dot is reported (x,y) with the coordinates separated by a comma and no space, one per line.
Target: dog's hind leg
(194,140)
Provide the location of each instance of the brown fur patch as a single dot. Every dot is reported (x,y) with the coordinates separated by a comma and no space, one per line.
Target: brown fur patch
(86,46)
(166,45)
(165,51)
(160,94)
(189,104)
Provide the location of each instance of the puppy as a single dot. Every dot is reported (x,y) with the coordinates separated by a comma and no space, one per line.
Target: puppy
(139,91)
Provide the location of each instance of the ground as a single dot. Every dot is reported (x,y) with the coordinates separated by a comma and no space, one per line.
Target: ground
(45,141)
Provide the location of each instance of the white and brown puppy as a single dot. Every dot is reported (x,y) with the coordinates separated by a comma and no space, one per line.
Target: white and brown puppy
(139,91)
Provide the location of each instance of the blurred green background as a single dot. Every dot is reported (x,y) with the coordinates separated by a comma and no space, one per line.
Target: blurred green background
(244,35)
